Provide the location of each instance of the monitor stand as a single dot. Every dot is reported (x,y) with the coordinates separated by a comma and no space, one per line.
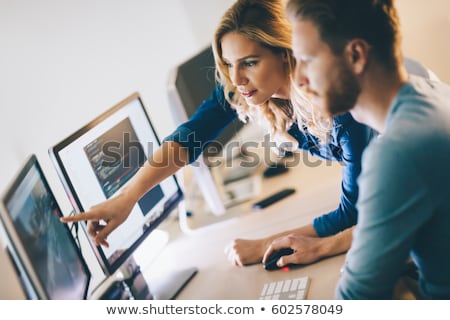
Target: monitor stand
(166,287)
(132,282)
(237,190)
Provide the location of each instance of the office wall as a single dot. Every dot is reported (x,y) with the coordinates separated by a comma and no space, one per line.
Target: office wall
(426,29)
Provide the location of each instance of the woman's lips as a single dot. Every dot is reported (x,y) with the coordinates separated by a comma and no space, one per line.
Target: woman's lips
(248,94)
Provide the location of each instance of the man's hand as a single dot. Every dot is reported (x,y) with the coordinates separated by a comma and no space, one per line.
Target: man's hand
(306,249)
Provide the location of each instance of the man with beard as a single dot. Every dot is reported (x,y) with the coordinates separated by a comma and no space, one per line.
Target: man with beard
(347,53)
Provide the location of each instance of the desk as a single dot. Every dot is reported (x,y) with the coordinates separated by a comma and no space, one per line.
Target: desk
(318,191)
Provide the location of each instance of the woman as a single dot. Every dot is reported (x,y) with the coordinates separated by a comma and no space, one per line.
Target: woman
(254,63)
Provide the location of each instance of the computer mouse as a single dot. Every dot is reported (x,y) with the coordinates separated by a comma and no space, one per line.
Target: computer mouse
(271,263)
(275,169)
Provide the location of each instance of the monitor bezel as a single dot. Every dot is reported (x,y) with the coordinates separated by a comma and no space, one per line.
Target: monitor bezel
(54,152)
(17,247)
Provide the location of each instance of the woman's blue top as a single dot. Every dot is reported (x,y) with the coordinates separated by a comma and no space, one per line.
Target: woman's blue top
(348,141)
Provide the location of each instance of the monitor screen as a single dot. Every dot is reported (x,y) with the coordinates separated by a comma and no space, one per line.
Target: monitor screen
(40,244)
(97,160)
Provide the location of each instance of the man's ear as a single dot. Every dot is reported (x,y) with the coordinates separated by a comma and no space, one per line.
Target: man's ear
(357,53)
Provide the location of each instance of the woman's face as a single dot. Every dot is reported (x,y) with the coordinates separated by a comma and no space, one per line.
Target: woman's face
(256,72)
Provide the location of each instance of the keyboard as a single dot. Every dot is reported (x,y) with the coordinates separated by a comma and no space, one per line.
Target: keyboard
(289,289)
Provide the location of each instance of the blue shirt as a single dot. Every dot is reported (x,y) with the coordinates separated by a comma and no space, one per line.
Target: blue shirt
(348,140)
(404,203)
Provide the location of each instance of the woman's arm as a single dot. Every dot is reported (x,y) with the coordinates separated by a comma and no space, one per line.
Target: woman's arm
(205,125)
(182,147)
(108,215)
(352,138)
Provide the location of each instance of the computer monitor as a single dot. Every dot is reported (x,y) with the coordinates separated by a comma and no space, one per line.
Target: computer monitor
(189,84)
(97,160)
(44,251)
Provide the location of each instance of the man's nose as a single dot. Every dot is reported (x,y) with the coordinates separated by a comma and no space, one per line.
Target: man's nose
(300,78)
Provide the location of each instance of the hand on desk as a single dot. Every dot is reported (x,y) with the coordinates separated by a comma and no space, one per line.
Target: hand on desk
(306,249)
(307,246)
(243,252)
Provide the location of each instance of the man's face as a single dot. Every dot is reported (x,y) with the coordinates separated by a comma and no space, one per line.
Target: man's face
(327,78)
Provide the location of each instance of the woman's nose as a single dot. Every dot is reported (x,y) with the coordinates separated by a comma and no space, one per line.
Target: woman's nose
(238,77)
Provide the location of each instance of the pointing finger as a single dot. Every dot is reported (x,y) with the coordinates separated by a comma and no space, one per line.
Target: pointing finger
(82,216)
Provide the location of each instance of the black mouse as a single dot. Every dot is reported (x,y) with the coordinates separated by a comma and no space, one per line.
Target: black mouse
(271,263)
(275,169)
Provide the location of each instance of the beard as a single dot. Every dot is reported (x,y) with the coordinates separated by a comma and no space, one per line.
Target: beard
(342,95)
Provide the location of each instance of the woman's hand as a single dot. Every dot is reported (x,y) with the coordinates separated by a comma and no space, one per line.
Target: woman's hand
(103,218)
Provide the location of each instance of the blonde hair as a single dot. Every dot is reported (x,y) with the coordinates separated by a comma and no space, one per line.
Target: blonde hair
(308,117)
(265,22)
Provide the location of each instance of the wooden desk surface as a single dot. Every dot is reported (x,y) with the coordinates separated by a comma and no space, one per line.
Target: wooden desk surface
(318,191)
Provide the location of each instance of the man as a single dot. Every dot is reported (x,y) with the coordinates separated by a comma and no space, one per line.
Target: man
(348,55)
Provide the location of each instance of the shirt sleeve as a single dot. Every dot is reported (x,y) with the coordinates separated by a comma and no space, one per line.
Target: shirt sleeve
(205,125)
(393,204)
(352,138)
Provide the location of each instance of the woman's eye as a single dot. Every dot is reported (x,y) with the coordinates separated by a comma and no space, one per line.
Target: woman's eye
(249,63)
